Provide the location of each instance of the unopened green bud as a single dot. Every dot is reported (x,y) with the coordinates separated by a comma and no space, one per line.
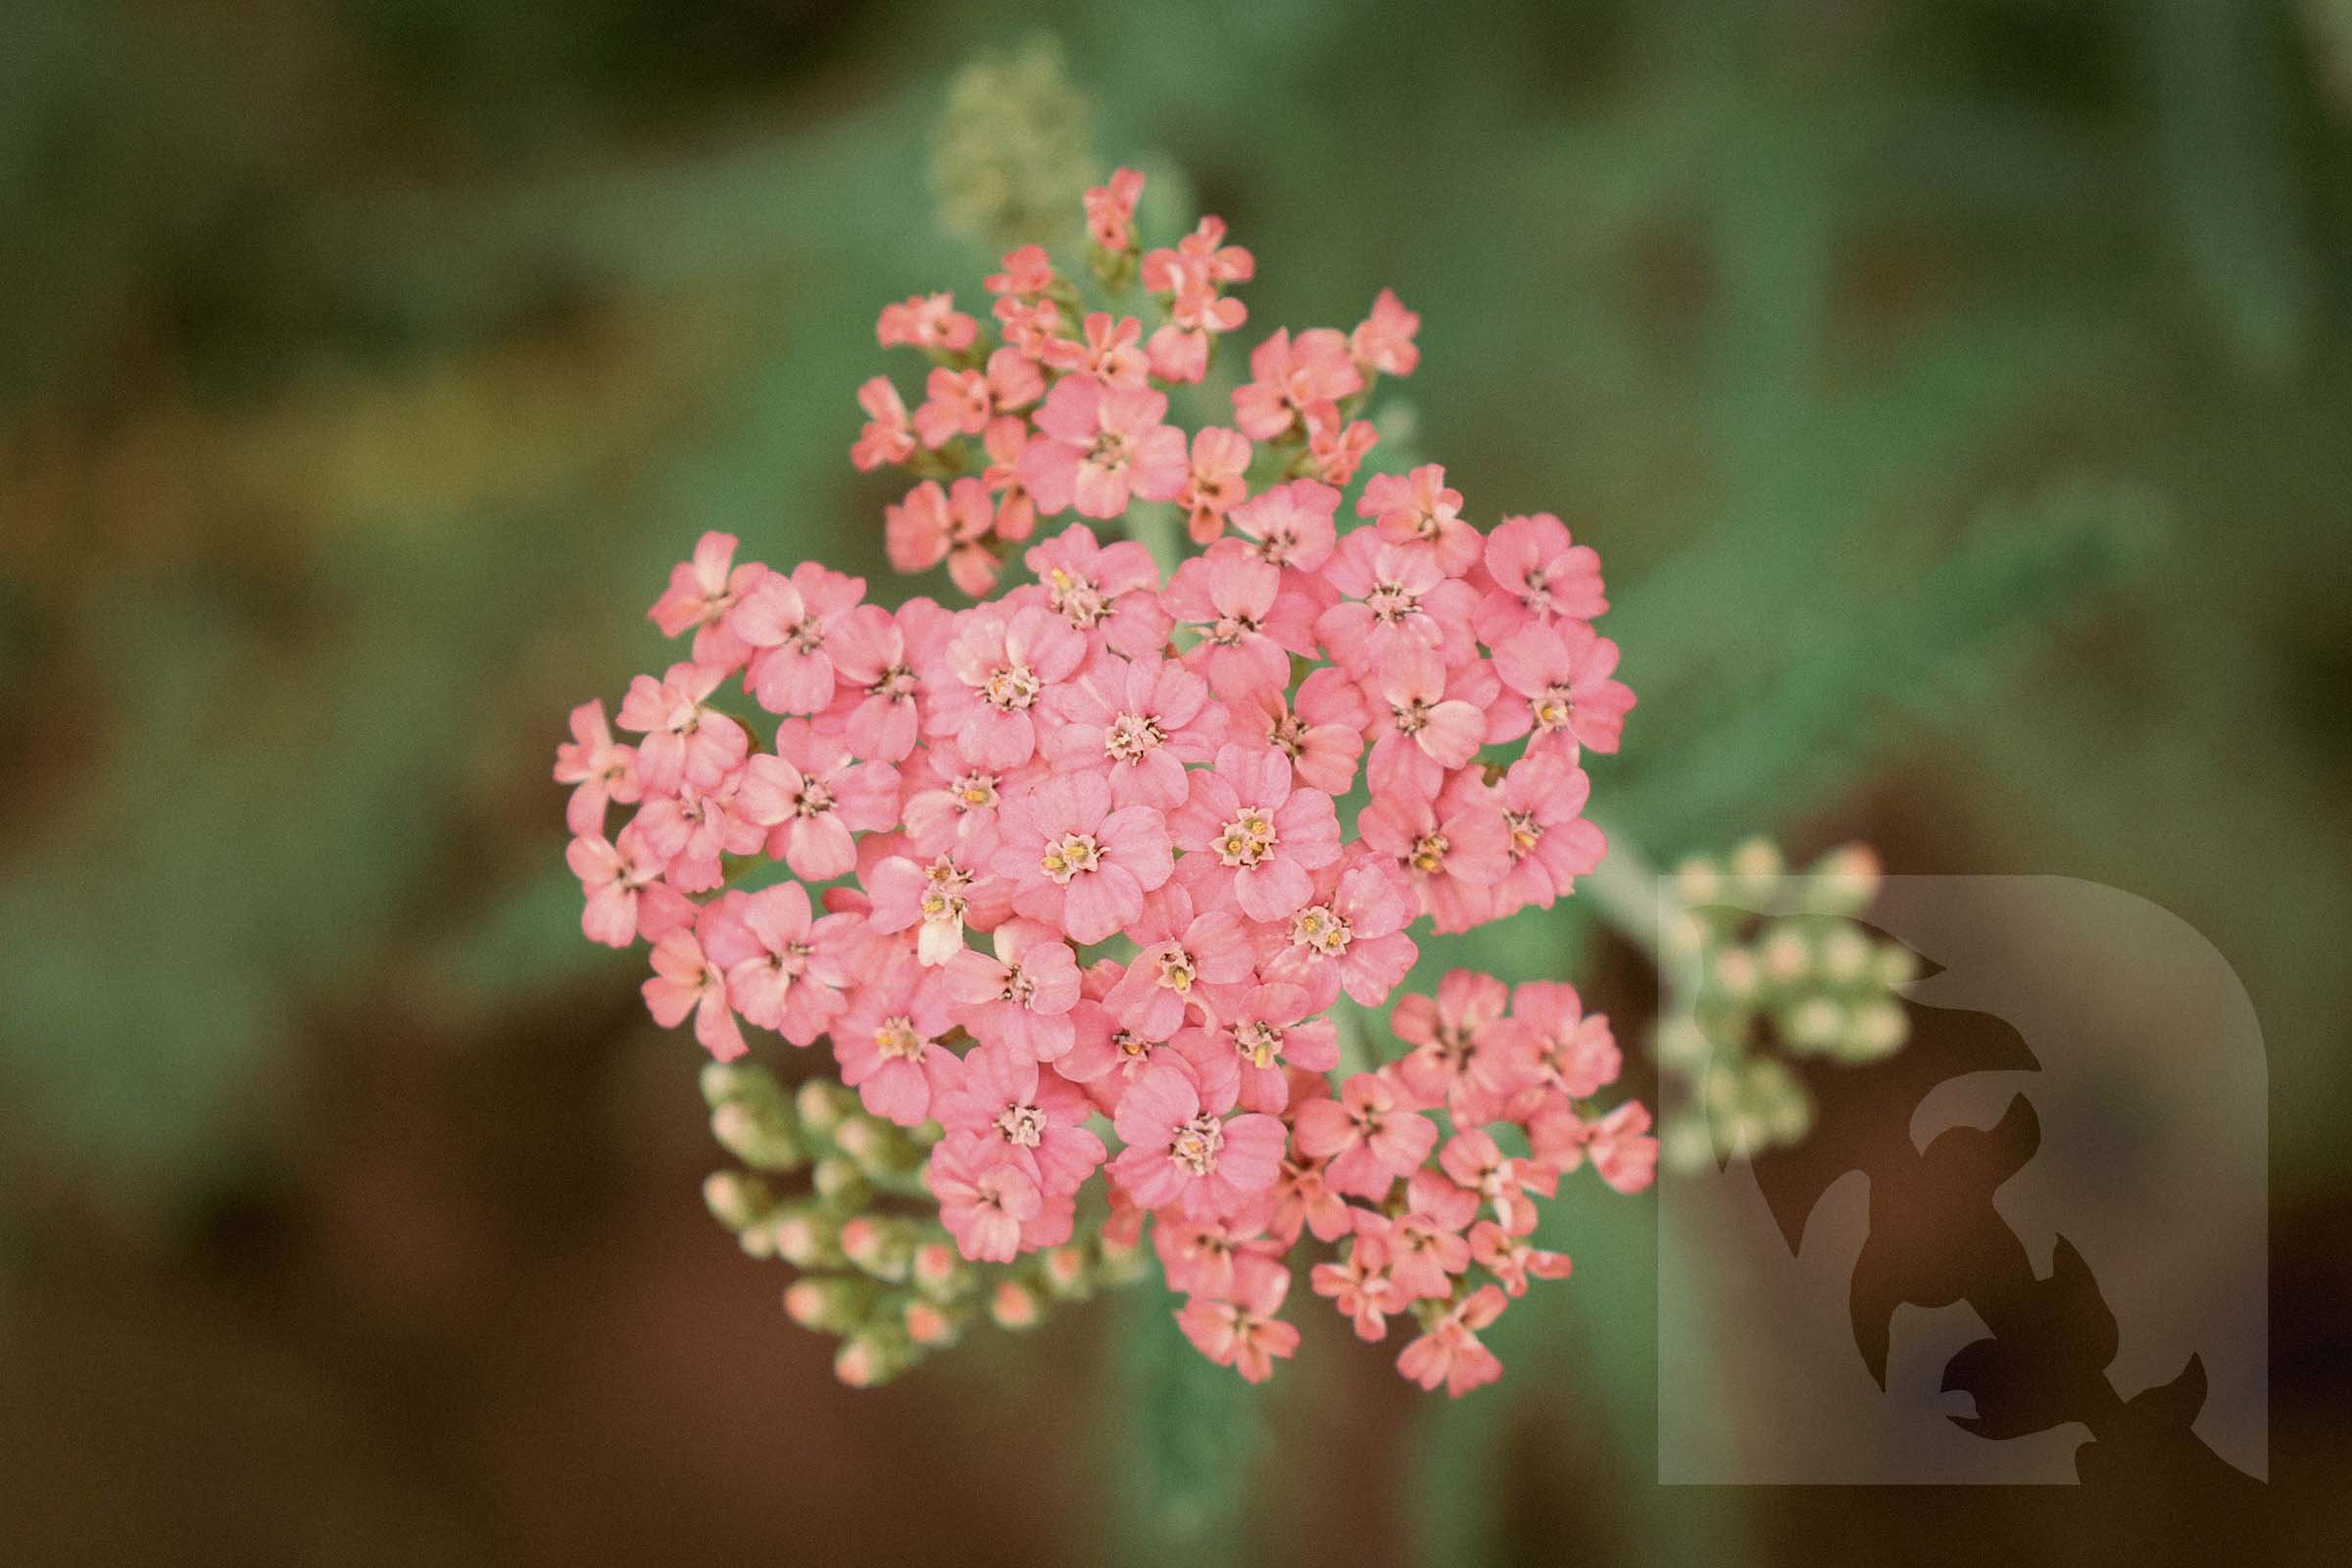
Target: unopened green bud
(830,1304)
(1843,881)
(737,1199)
(881,1246)
(840,1183)
(805,1237)
(1814,1024)
(760,1133)
(1877,1029)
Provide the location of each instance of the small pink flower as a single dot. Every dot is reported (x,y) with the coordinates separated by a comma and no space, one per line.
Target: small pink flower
(1562,671)
(1540,576)
(1249,829)
(1396,600)
(1267,1033)
(1425,1252)
(1077,864)
(1368,1135)
(1023,995)
(1383,341)
(1429,719)
(703,593)
(926,321)
(1243,1333)
(686,740)
(1459,1051)
(1291,524)
(939,898)
(1575,1052)
(1186,1150)
(1218,480)
(949,804)
(985,1200)
(1289,375)
(1110,592)
(1620,1145)
(1336,446)
(790,622)
(1201,1256)
(785,970)
(885,1036)
(1097,444)
(1201,260)
(1301,1201)
(1109,351)
(1454,853)
(877,703)
(963,402)
(997,1095)
(1419,511)
(1512,1260)
(1028,272)
(1360,1284)
(888,435)
(1142,719)
(690,831)
(686,981)
(1249,627)
(1477,1163)
(1450,1354)
(812,795)
(1550,843)
(611,875)
(599,771)
(988,678)
(1186,960)
(1349,934)
(1111,210)
(1321,730)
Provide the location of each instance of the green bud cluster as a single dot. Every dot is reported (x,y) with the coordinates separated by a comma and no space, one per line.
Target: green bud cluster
(876,1268)
(1011,150)
(1764,966)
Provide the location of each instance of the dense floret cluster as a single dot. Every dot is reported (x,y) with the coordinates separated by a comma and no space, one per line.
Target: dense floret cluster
(1097,859)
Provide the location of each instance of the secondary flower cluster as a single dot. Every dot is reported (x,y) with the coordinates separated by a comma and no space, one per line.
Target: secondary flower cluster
(1085,848)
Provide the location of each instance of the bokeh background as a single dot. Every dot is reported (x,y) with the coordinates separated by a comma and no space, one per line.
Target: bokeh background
(1959,394)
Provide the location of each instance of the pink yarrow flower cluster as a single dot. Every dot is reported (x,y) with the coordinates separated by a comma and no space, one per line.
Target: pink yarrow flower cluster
(1073,878)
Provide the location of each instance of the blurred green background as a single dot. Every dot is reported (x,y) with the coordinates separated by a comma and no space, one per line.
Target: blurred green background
(1959,394)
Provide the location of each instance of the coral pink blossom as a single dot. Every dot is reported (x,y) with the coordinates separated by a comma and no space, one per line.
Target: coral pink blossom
(926,321)
(686,980)
(1449,1355)
(1321,729)
(1076,863)
(889,435)
(1460,1052)
(790,623)
(1186,1150)
(1477,1163)
(1418,510)
(1022,996)
(1550,843)
(784,968)
(983,1199)
(1383,341)
(1111,210)
(703,593)
(1250,830)
(1289,375)
(1269,1034)
(1109,351)
(877,703)
(883,1040)
(1142,720)
(1573,1050)
(1349,933)
(1512,1260)
(1562,671)
(999,1096)
(1368,1135)
(1096,445)
(1454,853)
(988,678)
(1540,576)
(1359,1285)
(1216,482)
(686,740)
(611,874)
(1108,592)
(1186,960)
(1291,524)
(1620,1145)
(1426,719)
(602,772)
(1249,628)
(1242,1332)
(813,796)
(1395,601)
